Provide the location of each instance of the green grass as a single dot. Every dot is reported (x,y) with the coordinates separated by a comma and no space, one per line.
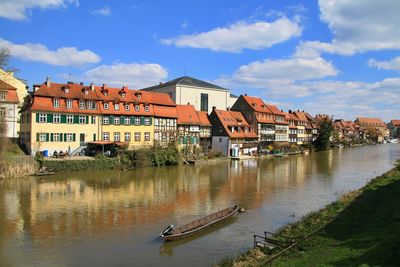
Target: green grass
(366,231)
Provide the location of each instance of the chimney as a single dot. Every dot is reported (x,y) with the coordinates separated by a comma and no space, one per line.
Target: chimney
(245,94)
(214,108)
(104,86)
(124,88)
(92,86)
(48,82)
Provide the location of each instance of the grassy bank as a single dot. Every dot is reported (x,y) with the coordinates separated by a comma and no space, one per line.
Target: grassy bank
(98,163)
(365,231)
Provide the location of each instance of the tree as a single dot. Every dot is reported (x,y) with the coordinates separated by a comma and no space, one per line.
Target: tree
(325,132)
(4,57)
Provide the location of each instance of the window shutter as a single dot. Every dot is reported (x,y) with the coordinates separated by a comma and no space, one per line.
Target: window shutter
(73,137)
(76,119)
(87,119)
(133,120)
(122,118)
(61,137)
(142,120)
(65,137)
(111,119)
(37,118)
(63,118)
(50,118)
(47,137)
(93,119)
(37,135)
(150,120)
(94,137)
(51,137)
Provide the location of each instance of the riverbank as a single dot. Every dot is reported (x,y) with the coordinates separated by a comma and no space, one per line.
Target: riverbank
(362,230)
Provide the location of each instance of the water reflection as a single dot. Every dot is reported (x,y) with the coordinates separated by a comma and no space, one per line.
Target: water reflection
(57,213)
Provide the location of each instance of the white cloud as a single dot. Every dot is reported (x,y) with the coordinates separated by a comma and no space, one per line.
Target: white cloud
(279,76)
(18,9)
(393,64)
(134,74)
(357,26)
(240,35)
(63,56)
(104,11)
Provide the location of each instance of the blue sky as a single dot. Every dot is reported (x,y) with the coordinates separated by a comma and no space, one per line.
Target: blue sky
(335,57)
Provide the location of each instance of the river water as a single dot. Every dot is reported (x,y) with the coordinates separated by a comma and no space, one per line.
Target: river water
(113,218)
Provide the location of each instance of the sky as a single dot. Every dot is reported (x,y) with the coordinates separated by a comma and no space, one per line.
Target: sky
(326,57)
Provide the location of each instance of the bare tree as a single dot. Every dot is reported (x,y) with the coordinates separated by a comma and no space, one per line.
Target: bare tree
(4,57)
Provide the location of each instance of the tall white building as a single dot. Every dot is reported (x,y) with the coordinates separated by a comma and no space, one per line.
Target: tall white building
(9,109)
(201,94)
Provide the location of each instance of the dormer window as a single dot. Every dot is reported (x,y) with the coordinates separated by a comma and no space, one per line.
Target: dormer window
(127,107)
(81,104)
(147,108)
(86,92)
(138,95)
(123,94)
(105,93)
(56,102)
(66,90)
(69,103)
(105,105)
(137,108)
(3,95)
(116,106)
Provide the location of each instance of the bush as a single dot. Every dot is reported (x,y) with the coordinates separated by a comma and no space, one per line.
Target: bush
(99,163)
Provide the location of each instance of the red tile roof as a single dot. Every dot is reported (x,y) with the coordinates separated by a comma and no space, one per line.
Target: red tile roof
(164,111)
(187,115)
(275,110)
(230,118)
(301,116)
(11,92)
(203,116)
(257,104)
(370,122)
(395,123)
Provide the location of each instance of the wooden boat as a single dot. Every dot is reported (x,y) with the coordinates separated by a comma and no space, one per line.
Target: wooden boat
(178,232)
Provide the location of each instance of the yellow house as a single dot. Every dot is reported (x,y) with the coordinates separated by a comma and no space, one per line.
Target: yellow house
(66,117)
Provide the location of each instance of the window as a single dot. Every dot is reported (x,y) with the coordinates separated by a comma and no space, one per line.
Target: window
(147,121)
(56,102)
(106,120)
(81,104)
(56,118)
(139,95)
(82,119)
(204,102)
(146,136)
(28,136)
(91,105)
(106,136)
(156,121)
(86,92)
(137,108)
(117,137)
(3,95)
(105,105)
(116,120)
(147,108)
(127,107)
(105,93)
(127,137)
(56,137)
(69,137)
(70,118)
(137,137)
(69,103)
(137,121)
(127,120)
(42,137)
(22,137)
(66,90)
(116,106)
(42,117)
(123,95)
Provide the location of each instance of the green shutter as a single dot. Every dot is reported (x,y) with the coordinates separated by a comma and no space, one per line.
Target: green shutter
(50,118)
(73,137)
(47,137)
(63,118)
(87,119)
(76,119)
(111,119)
(37,118)
(51,137)
(37,137)
(185,139)
(142,120)
(93,119)
(94,137)
(122,120)
(61,137)
(151,120)
(65,137)
(133,120)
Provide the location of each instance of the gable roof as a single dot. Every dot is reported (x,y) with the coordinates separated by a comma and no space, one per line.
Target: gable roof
(229,118)
(203,117)
(395,123)
(187,115)
(370,121)
(11,92)
(185,80)
(257,104)
(301,116)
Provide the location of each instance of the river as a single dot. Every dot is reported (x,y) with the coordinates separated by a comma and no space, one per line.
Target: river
(113,218)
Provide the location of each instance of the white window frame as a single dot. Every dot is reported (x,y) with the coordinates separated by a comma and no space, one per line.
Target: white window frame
(70,119)
(123,95)
(147,121)
(106,120)
(56,137)
(81,104)
(137,121)
(116,106)
(127,136)
(117,120)
(91,105)
(56,103)
(106,136)
(147,108)
(82,119)
(117,136)
(86,92)
(70,137)
(127,108)
(56,118)
(66,90)
(42,137)
(137,108)
(3,95)
(42,117)
(147,136)
(105,105)
(69,103)
(127,120)
(137,137)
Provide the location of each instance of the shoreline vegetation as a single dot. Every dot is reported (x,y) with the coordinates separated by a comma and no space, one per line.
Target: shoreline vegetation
(362,228)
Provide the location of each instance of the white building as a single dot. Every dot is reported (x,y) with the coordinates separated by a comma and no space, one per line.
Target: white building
(9,109)
(201,94)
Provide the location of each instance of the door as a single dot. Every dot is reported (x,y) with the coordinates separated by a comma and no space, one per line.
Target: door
(82,139)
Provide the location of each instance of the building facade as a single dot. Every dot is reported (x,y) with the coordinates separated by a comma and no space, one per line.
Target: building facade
(9,110)
(394,128)
(202,95)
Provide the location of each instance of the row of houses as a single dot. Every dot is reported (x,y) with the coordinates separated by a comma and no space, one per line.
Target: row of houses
(186,111)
